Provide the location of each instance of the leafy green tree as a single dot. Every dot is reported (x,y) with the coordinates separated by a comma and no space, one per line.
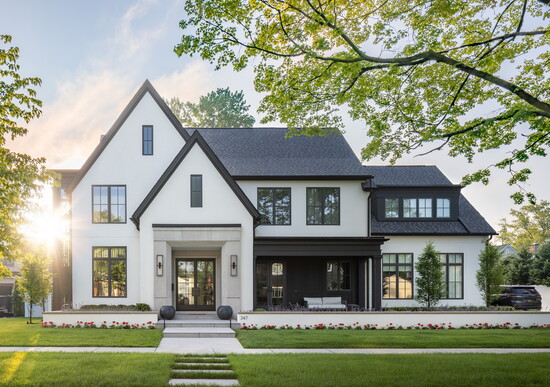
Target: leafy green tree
(412,72)
(528,225)
(20,175)
(430,287)
(541,266)
(217,109)
(517,268)
(17,301)
(489,276)
(35,282)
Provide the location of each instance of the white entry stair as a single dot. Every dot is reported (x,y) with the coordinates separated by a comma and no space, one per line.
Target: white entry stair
(198,325)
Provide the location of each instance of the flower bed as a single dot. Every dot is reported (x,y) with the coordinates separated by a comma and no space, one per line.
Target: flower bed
(96,319)
(393,320)
(103,325)
(390,326)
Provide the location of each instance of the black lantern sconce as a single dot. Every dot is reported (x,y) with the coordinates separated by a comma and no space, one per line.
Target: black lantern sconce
(159,264)
(233,266)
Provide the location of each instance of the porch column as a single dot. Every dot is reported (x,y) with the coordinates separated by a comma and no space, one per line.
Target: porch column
(377,283)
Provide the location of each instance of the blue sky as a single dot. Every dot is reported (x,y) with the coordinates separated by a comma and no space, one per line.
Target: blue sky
(93,55)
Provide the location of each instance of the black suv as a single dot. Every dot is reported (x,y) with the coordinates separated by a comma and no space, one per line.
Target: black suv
(520,297)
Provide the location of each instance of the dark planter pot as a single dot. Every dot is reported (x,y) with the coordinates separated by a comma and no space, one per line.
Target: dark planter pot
(167,312)
(225,312)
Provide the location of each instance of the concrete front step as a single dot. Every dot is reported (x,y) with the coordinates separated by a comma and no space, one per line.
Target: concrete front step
(196,316)
(199,332)
(203,370)
(196,323)
(211,382)
(179,363)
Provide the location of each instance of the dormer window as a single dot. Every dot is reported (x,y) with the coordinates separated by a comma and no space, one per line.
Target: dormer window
(147,135)
(391,208)
(443,208)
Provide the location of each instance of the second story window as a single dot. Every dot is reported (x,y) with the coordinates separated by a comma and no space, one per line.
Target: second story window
(443,208)
(323,206)
(417,208)
(147,131)
(391,208)
(274,205)
(109,204)
(196,190)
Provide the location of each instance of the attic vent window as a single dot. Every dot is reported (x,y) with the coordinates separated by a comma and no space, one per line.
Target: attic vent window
(147,147)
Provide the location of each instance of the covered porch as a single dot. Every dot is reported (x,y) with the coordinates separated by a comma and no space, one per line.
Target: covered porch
(288,269)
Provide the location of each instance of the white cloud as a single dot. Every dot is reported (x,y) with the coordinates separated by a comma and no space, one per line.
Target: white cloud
(188,84)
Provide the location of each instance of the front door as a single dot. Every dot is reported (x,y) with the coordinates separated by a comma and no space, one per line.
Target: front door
(195,284)
(269,284)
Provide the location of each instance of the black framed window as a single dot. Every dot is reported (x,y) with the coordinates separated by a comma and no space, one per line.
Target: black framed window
(109,271)
(323,206)
(147,148)
(391,208)
(196,190)
(443,208)
(274,205)
(397,276)
(410,208)
(109,204)
(453,275)
(338,275)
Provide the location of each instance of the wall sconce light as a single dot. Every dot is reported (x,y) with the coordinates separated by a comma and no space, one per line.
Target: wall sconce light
(159,265)
(233,266)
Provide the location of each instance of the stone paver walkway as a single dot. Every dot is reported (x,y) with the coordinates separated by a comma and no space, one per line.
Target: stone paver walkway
(201,369)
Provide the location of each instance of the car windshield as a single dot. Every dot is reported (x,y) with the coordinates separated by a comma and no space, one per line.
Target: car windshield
(522,291)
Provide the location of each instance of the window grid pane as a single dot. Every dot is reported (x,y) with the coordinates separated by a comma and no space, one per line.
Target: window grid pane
(196,190)
(274,205)
(409,208)
(147,140)
(108,204)
(338,275)
(453,270)
(397,276)
(323,206)
(109,272)
(391,208)
(424,208)
(443,208)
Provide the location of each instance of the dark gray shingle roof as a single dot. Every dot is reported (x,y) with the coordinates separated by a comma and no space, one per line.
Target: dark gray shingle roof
(407,176)
(251,152)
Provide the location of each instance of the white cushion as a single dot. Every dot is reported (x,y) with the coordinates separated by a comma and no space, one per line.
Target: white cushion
(332,300)
(313,301)
(316,306)
(334,306)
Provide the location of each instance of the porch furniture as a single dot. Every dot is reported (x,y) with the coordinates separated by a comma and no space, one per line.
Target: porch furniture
(325,303)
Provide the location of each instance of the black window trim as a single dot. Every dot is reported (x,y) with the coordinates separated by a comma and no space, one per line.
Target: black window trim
(446,264)
(191,191)
(143,140)
(109,259)
(436,208)
(339,262)
(323,212)
(109,202)
(273,206)
(401,209)
(397,264)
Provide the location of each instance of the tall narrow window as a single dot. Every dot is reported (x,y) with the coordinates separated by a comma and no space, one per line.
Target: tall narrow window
(443,208)
(109,271)
(453,270)
(196,190)
(274,205)
(397,275)
(323,206)
(109,204)
(425,208)
(338,275)
(409,208)
(391,208)
(147,140)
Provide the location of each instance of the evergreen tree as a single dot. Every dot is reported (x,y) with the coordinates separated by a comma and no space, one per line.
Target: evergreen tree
(541,266)
(489,276)
(430,287)
(517,268)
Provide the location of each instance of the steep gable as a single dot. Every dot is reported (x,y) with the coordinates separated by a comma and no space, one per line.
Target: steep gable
(147,87)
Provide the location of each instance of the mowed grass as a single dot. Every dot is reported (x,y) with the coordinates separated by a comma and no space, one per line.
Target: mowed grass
(453,338)
(15,332)
(84,369)
(392,370)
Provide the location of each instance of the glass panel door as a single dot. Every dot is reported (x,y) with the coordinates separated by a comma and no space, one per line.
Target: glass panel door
(195,284)
(270,284)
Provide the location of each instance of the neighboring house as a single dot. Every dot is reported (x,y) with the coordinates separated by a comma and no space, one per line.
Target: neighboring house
(7,286)
(198,218)
(507,249)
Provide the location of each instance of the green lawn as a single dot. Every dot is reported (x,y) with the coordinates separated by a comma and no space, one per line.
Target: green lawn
(392,370)
(15,332)
(84,369)
(454,338)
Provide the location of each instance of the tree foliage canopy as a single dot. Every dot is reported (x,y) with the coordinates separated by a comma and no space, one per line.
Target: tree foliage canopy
(528,225)
(35,282)
(490,275)
(430,287)
(517,268)
(414,72)
(218,109)
(540,269)
(20,174)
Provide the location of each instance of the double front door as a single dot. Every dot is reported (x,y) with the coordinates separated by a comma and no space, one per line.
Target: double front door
(195,283)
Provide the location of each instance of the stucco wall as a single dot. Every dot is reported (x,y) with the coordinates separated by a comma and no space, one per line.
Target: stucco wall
(353,209)
(121,163)
(469,246)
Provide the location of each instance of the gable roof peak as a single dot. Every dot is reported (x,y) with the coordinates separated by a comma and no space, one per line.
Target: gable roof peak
(146,87)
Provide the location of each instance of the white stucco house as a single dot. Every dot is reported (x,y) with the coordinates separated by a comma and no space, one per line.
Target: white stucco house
(202,217)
